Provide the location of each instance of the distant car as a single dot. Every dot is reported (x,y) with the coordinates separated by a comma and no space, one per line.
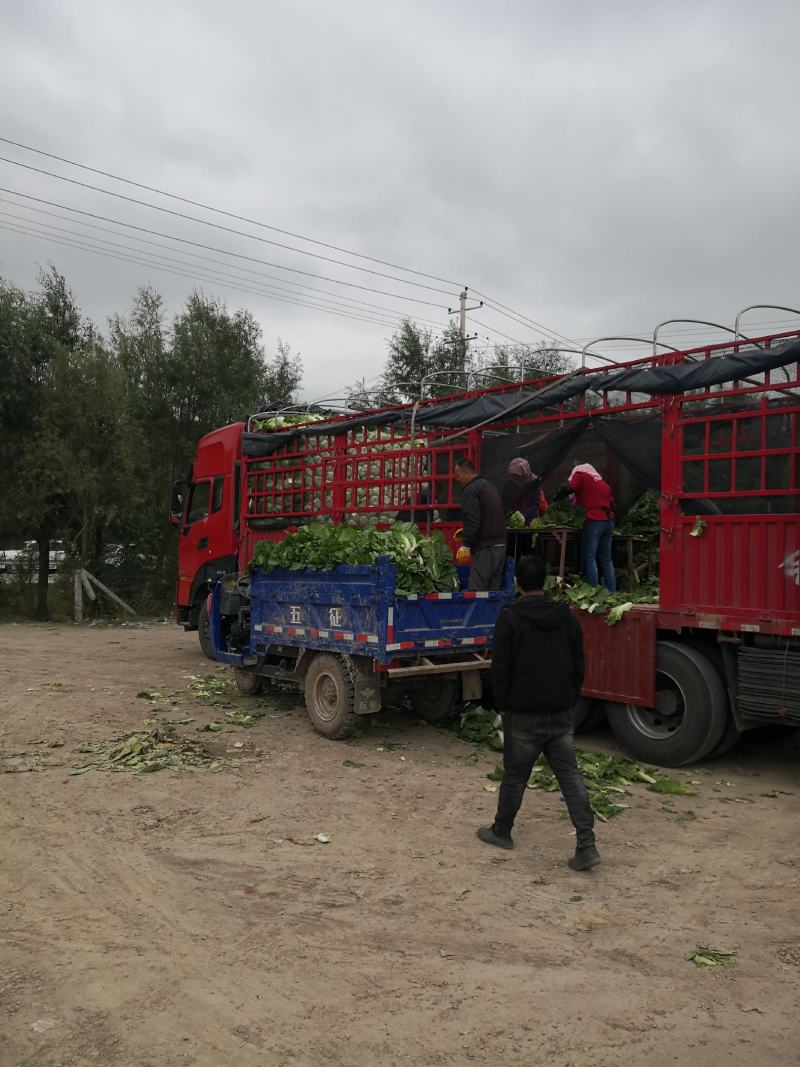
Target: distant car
(13,560)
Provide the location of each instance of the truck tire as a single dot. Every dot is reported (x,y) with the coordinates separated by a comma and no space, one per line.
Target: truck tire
(691,713)
(247,682)
(434,699)
(729,739)
(589,715)
(330,697)
(204,630)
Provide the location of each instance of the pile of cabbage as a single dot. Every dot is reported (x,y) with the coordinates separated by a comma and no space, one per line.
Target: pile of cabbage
(423,564)
(379,472)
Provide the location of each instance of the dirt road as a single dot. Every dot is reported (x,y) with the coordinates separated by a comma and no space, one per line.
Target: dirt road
(190,916)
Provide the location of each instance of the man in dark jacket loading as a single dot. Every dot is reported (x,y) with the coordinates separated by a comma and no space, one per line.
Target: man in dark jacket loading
(484,527)
(537,674)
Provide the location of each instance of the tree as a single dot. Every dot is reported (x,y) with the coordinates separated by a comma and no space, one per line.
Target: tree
(220,374)
(206,370)
(34,328)
(284,375)
(415,356)
(79,462)
(518,363)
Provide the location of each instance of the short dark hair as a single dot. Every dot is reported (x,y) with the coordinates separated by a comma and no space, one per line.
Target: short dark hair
(530,573)
(466,465)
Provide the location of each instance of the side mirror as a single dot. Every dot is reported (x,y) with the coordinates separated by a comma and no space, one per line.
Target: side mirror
(176,502)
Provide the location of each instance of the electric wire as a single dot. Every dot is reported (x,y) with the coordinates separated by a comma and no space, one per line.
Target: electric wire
(500,308)
(245,270)
(227,214)
(216,225)
(194,277)
(192,263)
(206,247)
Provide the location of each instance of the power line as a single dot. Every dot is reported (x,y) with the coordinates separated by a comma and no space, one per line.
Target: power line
(499,333)
(260,274)
(347,303)
(194,277)
(497,306)
(207,248)
(215,225)
(538,326)
(227,214)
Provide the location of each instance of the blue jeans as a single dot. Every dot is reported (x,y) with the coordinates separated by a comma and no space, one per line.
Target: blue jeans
(597,552)
(524,738)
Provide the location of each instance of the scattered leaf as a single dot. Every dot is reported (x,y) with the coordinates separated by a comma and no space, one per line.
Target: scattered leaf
(703,956)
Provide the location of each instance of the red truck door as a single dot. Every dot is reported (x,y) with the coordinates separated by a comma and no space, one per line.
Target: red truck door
(208,541)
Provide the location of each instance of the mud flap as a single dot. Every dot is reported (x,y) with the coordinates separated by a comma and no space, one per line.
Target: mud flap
(471,685)
(367,698)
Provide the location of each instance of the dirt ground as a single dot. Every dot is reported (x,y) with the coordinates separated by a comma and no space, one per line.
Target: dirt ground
(190,916)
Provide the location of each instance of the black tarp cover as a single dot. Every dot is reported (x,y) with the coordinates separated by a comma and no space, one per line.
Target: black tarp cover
(472,411)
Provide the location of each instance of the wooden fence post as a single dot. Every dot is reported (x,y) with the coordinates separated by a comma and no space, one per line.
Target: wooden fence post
(78,597)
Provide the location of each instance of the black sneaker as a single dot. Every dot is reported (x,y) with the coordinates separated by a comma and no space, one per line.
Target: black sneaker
(584,859)
(489,837)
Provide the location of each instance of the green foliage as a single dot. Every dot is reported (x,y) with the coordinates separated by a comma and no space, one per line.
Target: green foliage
(702,956)
(95,430)
(423,564)
(143,751)
(608,779)
(560,515)
(516,521)
(643,519)
(598,600)
(414,354)
(480,726)
(517,363)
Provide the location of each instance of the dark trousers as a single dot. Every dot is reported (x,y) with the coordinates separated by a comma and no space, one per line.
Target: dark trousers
(486,572)
(597,543)
(524,738)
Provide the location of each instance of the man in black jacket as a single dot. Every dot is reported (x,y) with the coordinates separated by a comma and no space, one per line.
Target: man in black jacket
(537,674)
(484,527)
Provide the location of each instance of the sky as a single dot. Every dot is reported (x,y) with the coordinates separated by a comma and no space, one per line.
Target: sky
(594,168)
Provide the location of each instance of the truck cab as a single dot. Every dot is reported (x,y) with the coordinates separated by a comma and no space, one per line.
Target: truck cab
(206,510)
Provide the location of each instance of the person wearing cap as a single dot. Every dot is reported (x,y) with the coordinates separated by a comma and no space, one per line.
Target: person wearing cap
(523,491)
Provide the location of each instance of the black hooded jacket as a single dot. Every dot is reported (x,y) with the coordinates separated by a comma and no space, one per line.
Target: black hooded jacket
(537,657)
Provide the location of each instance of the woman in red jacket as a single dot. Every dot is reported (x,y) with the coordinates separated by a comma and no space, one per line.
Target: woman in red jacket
(590,492)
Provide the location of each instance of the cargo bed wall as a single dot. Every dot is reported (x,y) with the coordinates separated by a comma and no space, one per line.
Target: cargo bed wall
(621,659)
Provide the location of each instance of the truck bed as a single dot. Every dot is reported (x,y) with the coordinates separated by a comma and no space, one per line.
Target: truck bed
(356,610)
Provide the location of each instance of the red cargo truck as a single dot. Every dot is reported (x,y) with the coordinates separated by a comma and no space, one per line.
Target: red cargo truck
(714,431)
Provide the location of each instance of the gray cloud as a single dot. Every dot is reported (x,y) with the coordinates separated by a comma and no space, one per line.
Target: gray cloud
(598,167)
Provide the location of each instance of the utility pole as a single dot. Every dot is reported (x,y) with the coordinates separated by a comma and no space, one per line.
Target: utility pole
(461,311)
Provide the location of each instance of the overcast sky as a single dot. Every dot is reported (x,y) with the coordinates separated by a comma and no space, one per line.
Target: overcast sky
(595,167)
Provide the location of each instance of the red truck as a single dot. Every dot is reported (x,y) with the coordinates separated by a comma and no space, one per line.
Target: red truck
(715,431)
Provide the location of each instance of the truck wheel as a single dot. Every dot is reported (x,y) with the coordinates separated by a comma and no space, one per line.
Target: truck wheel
(330,697)
(729,739)
(204,630)
(434,699)
(589,715)
(247,682)
(690,715)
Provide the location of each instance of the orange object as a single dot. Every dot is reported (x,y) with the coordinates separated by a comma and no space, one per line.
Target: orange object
(463,555)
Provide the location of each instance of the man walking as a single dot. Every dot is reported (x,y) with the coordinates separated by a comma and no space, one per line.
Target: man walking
(484,527)
(537,674)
